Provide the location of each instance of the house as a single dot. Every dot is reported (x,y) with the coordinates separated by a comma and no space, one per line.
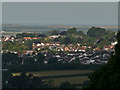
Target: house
(54,36)
(59,49)
(12,37)
(35,38)
(58,56)
(47,44)
(72,59)
(111,46)
(45,62)
(97,48)
(104,62)
(38,45)
(114,43)
(67,49)
(106,48)
(27,38)
(81,49)
(28,52)
(6,39)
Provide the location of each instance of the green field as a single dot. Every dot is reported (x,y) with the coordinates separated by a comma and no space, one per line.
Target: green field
(60,76)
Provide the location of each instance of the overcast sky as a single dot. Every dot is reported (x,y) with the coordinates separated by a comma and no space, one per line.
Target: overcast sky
(76,13)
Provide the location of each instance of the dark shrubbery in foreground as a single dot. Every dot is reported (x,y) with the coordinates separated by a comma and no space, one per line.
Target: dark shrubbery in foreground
(109,75)
(29,81)
(43,67)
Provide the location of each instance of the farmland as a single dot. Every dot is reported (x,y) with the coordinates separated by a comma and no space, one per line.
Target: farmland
(60,76)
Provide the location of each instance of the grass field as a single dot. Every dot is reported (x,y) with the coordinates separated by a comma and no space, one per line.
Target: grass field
(56,72)
(60,76)
(71,80)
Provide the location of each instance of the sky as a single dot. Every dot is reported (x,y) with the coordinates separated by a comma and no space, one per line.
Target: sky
(60,0)
(54,13)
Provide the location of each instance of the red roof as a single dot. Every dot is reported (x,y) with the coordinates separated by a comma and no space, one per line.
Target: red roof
(27,37)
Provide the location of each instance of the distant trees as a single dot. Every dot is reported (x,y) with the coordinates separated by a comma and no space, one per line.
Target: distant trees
(28,44)
(28,81)
(72,31)
(40,58)
(52,61)
(26,35)
(29,60)
(41,35)
(68,40)
(96,32)
(6,77)
(15,46)
(57,39)
(18,36)
(25,81)
(21,81)
(63,33)
(11,58)
(65,85)
(100,38)
(2,37)
(55,32)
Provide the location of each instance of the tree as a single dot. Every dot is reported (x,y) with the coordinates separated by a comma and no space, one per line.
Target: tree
(63,33)
(29,43)
(55,32)
(108,75)
(11,58)
(80,33)
(3,37)
(18,36)
(98,32)
(52,61)
(67,40)
(51,83)
(40,58)
(6,77)
(65,85)
(56,39)
(72,31)
(29,60)
(20,81)
(25,81)
(41,35)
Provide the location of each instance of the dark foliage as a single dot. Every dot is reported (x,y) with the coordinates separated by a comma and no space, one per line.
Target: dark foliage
(11,58)
(63,33)
(109,75)
(68,40)
(97,32)
(41,35)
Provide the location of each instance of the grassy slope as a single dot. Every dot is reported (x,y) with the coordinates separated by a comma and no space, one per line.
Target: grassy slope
(74,76)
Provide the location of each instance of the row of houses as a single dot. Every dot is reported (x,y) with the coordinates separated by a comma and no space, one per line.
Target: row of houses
(93,57)
(56,46)
(12,38)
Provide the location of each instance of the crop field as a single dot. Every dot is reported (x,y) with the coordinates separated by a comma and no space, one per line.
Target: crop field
(60,76)
(71,80)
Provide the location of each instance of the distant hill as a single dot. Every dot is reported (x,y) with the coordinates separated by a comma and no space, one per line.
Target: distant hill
(37,28)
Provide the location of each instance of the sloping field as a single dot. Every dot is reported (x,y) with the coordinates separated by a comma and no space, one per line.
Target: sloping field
(60,76)
(56,72)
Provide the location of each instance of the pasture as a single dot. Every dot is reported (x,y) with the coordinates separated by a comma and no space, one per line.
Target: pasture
(60,76)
